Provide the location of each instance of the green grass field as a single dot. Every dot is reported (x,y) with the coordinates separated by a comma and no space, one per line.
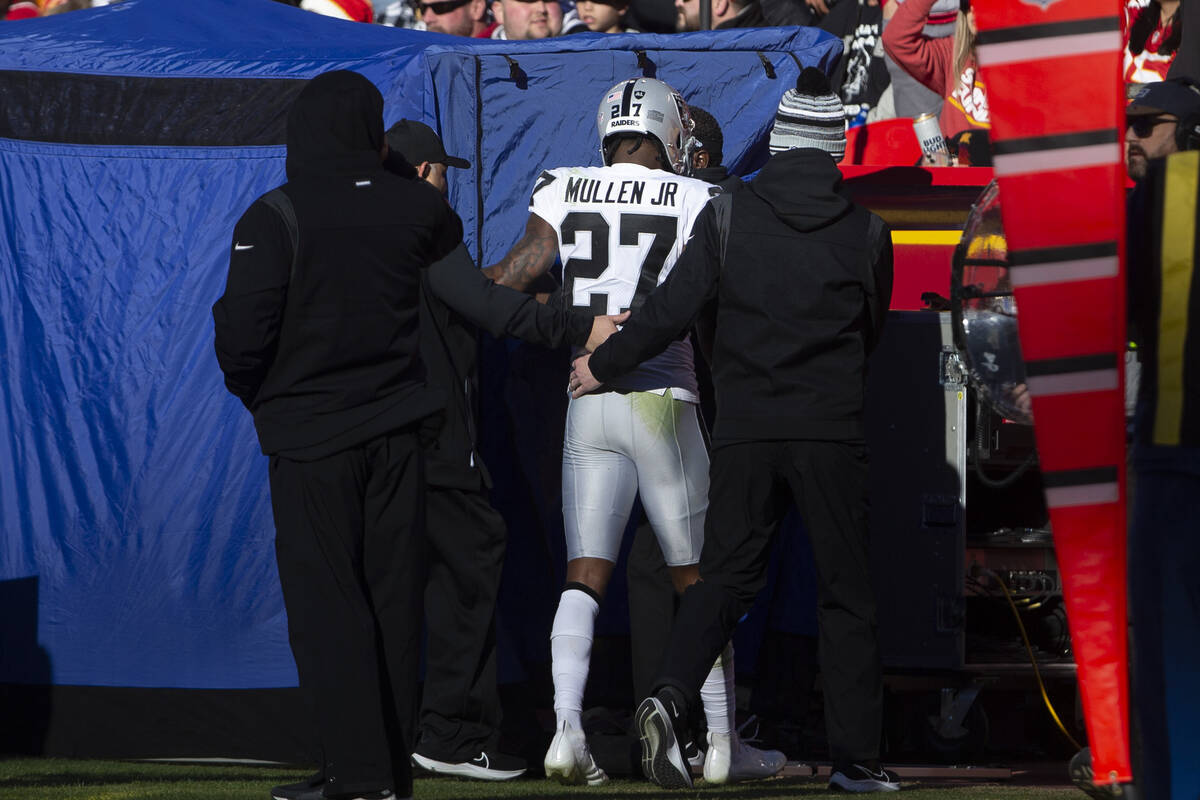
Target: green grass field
(61,779)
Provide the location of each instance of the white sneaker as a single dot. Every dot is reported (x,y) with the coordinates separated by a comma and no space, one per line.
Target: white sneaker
(570,761)
(730,760)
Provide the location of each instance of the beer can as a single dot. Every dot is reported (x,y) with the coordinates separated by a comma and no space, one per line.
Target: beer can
(933,144)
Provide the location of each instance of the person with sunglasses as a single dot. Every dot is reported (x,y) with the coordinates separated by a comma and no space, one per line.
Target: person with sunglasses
(1162,118)
(456,17)
(527,19)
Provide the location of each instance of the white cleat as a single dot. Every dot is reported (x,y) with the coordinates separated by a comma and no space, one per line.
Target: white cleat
(730,760)
(570,761)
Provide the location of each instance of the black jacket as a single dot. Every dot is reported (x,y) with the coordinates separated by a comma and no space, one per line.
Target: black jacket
(801,299)
(457,296)
(719,176)
(750,16)
(321,343)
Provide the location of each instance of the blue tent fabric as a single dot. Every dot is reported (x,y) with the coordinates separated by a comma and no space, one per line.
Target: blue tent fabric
(513,108)
(131,486)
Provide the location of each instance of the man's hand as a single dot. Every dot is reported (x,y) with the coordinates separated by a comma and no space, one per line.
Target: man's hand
(819,7)
(582,380)
(603,327)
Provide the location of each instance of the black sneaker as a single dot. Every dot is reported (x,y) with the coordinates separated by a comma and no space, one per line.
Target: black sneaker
(658,718)
(483,767)
(307,789)
(857,778)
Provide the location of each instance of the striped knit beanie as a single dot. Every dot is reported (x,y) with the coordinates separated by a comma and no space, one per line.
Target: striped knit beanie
(810,115)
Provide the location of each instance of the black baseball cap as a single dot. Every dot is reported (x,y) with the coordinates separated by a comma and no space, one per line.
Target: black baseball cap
(417,142)
(1178,97)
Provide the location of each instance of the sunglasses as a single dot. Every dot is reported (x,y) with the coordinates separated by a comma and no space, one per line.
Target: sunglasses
(441,7)
(1144,126)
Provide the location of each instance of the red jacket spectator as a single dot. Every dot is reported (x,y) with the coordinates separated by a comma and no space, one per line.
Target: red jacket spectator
(932,62)
(23,9)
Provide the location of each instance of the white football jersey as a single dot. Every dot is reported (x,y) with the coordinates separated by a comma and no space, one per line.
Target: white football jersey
(620,230)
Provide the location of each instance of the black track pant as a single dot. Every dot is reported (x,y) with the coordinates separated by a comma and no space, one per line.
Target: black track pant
(652,605)
(752,485)
(348,531)
(460,709)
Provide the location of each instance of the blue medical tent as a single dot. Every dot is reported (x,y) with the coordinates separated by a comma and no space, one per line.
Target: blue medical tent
(136,542)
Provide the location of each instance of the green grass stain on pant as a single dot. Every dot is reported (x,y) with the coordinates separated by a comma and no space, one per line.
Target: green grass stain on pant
(659,414)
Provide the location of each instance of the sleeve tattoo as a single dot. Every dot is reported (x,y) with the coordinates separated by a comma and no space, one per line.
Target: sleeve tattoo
(529,258)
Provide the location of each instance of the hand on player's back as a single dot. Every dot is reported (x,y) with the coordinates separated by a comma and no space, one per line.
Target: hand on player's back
(604,326)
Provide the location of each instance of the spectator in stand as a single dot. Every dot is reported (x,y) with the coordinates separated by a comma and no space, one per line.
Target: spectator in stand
(63,6)
(527,19)
(725,14)
(948,66)
(860,77)
(456,17)
(353,10)
(910,97)
(1187,59)
(22,9)
(398,14)
(604,16)
(1153,31)
(652,16)
(1162,119)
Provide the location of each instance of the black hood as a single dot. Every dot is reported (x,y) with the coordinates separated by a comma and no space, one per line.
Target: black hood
(803,188)
(712,175)
(335,125)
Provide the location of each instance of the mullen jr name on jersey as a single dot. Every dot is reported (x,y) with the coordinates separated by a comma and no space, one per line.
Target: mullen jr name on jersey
(627,192)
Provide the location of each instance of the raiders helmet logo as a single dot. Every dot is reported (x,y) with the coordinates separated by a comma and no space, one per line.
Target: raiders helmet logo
(639,94)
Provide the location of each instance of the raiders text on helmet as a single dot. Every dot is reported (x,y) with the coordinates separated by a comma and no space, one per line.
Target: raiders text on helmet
(649,106)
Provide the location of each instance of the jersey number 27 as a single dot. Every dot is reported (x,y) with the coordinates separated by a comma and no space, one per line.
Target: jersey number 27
(632,226)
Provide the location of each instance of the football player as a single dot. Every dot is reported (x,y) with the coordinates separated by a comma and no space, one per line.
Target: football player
(619,229)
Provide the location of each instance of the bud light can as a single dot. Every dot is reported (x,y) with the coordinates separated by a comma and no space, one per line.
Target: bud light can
(933,144)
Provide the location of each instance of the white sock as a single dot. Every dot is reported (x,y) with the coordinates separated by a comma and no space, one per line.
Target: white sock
(571,652)
(717,695)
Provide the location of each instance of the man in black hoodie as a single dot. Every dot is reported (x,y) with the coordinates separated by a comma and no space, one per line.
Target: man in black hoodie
(317,334)
(319,340)
(802,279)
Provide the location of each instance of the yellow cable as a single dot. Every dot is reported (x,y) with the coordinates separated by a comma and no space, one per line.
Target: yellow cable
(1032,660)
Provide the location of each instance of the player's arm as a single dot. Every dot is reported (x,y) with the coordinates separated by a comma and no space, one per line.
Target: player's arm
(248,315)
(668,311)
(503,311)
(529,259)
